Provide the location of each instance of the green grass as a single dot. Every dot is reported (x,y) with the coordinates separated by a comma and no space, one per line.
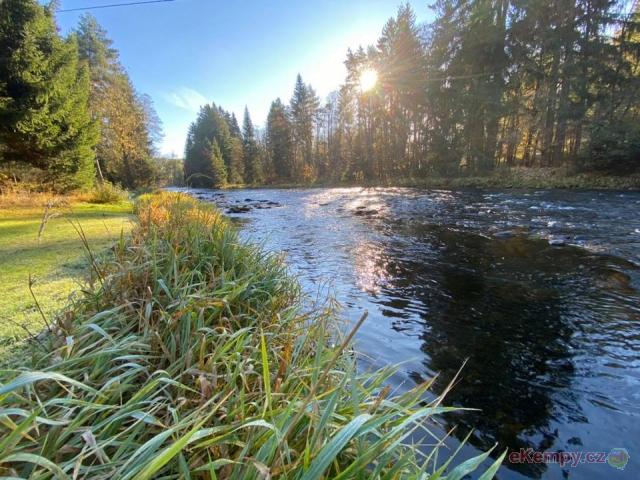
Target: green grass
(191,357)
(57,263)
(503,177)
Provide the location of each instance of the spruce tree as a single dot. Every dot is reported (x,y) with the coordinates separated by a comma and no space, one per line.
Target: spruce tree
(252,166)
(44,116)
(235,164)
(216,168)
(234,127)
(278,140)
(191,165)
(304,108)
(230,138)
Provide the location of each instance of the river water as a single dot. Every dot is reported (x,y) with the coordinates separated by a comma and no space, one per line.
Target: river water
(538,290)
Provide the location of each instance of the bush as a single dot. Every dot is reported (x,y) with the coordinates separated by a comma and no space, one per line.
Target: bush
(107,193)
(21,194)
(191,357)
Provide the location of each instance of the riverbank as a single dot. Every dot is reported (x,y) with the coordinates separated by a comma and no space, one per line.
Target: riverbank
(516,178)
(38,238)
(479,274)
(192,356)
(543,178)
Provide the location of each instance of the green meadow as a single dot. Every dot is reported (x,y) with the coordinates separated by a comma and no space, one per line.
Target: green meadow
(52,253)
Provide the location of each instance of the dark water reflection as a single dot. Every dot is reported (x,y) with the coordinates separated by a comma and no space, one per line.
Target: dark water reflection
(551,334)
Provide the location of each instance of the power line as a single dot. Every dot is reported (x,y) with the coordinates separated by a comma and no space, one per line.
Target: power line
(111,5)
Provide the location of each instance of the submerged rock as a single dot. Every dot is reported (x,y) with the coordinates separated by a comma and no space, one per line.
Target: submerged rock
(618,279)
(363,213)
(557,241)
(239,209)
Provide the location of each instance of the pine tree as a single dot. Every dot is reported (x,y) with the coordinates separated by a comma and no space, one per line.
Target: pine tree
(44,116)
(252,165)
(400,60)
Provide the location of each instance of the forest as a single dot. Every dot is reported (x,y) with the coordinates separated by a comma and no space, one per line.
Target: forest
(69,113)
(484,87)
(488,85)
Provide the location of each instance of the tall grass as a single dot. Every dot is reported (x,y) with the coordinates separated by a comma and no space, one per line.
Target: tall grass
(27,195)
(106,192)
(191,357)
(20,195)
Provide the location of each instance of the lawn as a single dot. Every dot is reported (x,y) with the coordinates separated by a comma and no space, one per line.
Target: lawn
(57,262)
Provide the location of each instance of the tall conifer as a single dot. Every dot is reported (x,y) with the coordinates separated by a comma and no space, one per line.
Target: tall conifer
(252,165)
(44,115)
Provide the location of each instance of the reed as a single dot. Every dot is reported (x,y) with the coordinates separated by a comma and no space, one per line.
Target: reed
(192,356)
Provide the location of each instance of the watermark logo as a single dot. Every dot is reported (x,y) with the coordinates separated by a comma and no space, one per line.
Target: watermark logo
(618,458)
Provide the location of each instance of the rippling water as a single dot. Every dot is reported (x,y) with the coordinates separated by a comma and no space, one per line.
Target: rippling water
(551,333)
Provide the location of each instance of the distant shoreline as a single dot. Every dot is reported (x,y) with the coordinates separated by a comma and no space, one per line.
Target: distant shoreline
(511,179)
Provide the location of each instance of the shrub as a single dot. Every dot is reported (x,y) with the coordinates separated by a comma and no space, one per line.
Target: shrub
(106,192)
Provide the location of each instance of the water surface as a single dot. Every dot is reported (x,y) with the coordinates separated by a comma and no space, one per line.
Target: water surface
(551,334)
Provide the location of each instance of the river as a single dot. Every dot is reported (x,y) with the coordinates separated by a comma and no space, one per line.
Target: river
(538,290)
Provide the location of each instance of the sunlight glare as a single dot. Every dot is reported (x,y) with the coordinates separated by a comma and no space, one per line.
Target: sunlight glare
(368,79)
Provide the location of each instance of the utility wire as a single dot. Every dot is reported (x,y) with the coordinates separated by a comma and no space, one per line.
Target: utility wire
(111,5)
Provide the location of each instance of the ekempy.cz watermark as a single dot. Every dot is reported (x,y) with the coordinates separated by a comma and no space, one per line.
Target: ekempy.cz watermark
(617,457)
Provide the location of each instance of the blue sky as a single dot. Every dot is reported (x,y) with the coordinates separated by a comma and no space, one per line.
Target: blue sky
(234,53)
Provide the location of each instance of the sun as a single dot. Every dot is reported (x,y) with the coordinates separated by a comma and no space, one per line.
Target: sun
(368,79)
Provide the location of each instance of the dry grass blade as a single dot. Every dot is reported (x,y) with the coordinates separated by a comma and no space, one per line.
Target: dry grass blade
(38,307)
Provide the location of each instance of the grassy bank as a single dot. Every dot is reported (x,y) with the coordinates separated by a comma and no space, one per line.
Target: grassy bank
(541,178)
(191,357)
(51,253)
(534,178)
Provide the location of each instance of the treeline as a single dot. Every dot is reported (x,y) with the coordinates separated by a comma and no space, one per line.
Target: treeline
(218,153)
(69,113)
(488,84)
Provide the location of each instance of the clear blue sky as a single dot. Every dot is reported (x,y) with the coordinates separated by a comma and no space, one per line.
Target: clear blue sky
(234,53)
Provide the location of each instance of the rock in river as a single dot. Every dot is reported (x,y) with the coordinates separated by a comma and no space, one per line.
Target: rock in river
(505,234)
(362,213)
(557,241)
(239,209)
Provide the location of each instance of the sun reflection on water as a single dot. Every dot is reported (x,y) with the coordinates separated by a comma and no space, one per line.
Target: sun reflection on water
(370,267)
